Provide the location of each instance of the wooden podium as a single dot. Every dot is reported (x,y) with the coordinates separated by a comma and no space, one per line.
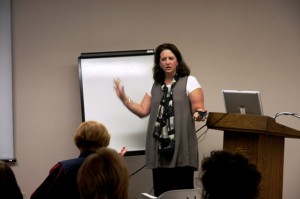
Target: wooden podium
(262,139)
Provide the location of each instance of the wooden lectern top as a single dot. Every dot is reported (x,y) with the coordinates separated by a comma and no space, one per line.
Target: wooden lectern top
(249,123)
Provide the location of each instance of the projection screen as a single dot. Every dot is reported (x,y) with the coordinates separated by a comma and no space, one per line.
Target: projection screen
(99,101)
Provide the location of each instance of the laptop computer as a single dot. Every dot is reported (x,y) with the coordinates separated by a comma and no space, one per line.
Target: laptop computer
(243,102)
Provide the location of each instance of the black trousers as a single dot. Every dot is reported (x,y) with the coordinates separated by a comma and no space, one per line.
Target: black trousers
(165,179)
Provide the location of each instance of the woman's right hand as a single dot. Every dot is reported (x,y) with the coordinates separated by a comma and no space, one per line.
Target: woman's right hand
(119,88)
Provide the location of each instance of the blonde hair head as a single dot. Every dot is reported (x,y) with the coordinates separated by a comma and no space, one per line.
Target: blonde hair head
(91,135)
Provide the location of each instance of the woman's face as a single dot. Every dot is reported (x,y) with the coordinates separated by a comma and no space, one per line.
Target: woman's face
(168,62)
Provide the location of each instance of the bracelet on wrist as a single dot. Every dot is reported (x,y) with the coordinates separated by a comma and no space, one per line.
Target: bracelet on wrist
(128,101)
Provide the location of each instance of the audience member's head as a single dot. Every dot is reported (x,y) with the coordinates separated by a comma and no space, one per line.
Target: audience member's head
(229,175)
(91,135)
(62,179)
(9,187)
(103,175)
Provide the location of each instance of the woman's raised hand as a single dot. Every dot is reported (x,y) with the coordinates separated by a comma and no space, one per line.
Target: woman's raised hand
(119,88)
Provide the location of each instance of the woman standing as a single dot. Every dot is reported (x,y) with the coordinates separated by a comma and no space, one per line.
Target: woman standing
(174,103)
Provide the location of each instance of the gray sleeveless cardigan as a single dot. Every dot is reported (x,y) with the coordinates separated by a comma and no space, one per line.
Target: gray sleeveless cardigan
(186,146)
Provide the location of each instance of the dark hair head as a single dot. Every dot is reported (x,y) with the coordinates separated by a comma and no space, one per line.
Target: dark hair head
(158,73)
(229,175)
(103,175)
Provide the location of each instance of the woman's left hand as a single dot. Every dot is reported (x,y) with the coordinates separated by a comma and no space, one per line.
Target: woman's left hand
(200,115)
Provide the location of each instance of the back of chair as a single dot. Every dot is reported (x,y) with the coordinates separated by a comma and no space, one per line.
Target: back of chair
(177,194)
(182,194)
(147,196)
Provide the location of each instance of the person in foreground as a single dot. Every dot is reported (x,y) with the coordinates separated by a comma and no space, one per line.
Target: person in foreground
(174,102)
(103,175)
(62,179)
(9,188)
(229,175)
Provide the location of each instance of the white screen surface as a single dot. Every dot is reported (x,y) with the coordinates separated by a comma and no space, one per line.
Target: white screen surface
(100,102)
(6,100)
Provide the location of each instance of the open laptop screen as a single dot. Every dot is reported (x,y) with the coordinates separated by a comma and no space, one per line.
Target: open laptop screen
(244,102)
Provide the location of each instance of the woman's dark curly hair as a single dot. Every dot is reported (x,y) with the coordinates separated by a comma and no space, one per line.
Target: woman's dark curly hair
(158,73)
(229,175)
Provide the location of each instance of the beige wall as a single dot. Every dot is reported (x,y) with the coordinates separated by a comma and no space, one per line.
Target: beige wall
(247,45)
